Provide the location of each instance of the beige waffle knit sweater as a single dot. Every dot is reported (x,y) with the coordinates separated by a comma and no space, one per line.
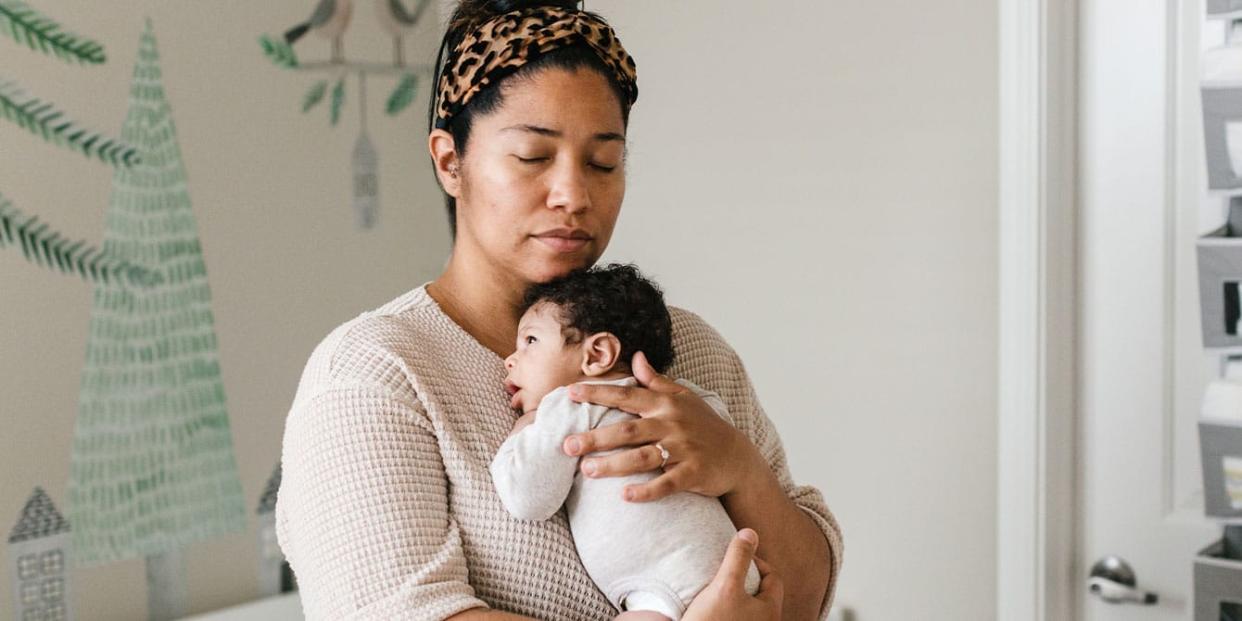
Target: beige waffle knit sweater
(386,509)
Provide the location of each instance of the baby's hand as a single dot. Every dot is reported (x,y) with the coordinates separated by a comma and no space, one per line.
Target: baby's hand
(522,422)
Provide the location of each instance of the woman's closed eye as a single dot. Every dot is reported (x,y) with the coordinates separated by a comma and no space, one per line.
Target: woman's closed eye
(539,160)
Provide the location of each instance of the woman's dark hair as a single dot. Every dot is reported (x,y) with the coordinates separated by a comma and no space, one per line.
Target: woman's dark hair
(613,298)
(468,16)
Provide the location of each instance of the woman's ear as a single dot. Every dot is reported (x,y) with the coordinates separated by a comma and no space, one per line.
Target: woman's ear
(444,159)
(600,353)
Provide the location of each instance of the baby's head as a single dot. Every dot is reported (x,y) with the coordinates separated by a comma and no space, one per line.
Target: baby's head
(587,325)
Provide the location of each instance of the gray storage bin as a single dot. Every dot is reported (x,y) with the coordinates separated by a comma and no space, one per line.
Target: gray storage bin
(1220,448)
(1218,584)
(1221,8)
(1220,284)
(1222,109)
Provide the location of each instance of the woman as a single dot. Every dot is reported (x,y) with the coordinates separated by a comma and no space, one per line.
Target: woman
(386,509)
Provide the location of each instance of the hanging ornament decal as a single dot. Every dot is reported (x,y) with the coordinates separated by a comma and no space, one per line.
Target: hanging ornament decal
(331,19)
(366,165)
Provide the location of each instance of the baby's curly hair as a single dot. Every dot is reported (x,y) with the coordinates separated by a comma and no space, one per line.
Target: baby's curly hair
(612,298)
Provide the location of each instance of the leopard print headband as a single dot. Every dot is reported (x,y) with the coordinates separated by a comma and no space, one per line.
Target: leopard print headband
(503,44)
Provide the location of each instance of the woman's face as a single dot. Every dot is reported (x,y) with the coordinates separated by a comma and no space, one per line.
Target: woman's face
(543,177)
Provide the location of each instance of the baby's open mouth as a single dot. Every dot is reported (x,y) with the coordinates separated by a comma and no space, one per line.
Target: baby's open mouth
(512,389)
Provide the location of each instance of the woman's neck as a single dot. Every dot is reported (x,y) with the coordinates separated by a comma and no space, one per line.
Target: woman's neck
(481,301)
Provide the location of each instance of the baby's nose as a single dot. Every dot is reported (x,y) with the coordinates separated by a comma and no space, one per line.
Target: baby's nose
(509,363)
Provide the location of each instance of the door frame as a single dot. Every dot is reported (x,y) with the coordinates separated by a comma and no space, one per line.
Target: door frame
(1036,426)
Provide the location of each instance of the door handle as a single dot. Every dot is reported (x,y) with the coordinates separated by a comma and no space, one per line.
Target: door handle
(1113,581)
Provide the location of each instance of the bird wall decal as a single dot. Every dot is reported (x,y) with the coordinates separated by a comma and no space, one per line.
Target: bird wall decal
(329,21)
(396,21)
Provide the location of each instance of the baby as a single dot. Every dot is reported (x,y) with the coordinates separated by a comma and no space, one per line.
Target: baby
(650,558)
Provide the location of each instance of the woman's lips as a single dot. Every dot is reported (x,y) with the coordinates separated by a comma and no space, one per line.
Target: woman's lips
(562,244)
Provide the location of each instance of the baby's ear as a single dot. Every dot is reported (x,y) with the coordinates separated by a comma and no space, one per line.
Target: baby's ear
(600,353)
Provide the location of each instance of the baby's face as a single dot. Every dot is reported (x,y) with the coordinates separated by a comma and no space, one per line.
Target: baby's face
(542,362)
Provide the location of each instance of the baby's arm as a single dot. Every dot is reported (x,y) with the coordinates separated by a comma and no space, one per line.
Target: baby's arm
(531,473)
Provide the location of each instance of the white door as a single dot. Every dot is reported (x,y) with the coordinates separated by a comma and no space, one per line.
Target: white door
(1141,365)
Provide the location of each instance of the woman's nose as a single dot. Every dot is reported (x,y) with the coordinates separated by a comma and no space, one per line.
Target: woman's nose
(569,190)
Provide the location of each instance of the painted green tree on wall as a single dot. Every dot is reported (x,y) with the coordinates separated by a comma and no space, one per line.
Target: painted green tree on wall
(39,242)
(153,466)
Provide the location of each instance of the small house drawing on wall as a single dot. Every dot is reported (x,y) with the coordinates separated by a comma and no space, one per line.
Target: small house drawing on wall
(275,575)
(39,562)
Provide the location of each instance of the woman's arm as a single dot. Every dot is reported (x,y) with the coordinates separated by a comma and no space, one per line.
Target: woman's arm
(362,512)
(803,540)
(792,542)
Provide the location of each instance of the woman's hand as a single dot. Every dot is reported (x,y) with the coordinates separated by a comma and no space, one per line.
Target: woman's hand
(725,597)
(706,454)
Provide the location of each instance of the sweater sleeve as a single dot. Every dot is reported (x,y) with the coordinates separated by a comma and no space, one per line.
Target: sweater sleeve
(722,370)
(531,473)
(362,512)
(763,433)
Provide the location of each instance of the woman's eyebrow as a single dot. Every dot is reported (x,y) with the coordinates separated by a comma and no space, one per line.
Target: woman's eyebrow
(544,131)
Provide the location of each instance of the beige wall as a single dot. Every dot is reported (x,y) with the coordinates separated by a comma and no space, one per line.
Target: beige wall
(816,179)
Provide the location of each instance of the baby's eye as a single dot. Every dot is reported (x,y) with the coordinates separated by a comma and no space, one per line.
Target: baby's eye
(530,339)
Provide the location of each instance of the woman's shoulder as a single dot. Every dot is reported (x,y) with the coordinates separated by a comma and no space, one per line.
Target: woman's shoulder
(697,341)
(700,353)
(372,348)
(703,356)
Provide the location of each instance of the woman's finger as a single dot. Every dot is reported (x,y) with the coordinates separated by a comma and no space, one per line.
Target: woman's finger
(655,489)
(628,433)
(732,573)
(641,459)
(771,587)
(647,376)
(738,556)
(632,399)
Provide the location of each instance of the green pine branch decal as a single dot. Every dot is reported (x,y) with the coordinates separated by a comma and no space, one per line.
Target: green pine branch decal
(403,95)
(48,248)
(43,119)
(314,95)
(279,52)
(338,100)
(40,33)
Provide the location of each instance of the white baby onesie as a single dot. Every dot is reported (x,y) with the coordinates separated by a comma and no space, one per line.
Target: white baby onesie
(643,555)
